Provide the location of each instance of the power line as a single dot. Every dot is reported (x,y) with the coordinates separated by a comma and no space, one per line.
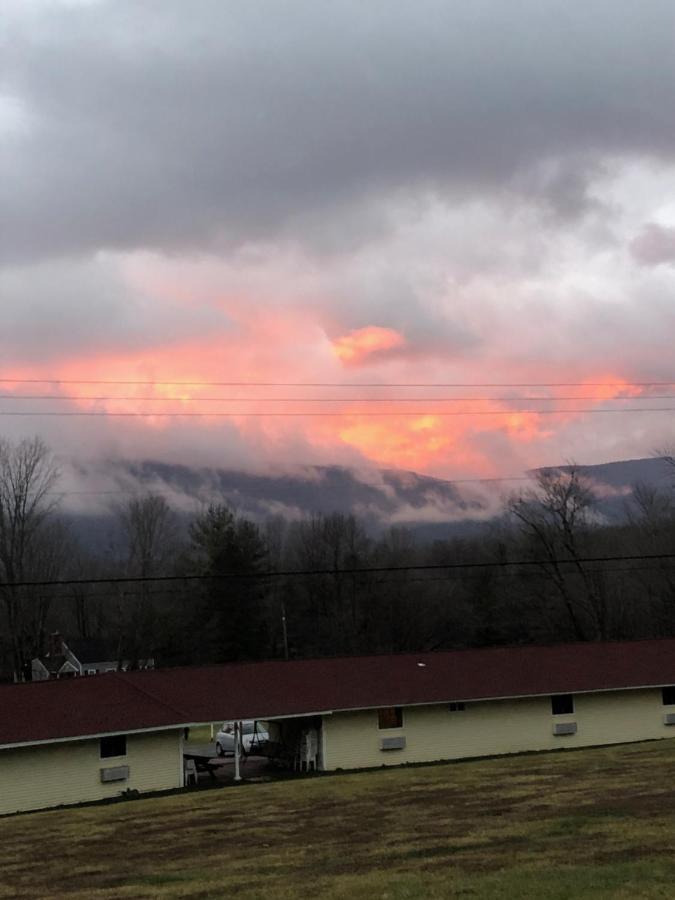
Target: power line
(312,414)
(159,399)
(366,570)
(127,595)
(342,384)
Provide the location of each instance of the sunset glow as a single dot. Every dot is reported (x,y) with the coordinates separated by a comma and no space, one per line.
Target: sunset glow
(444,436)
(356,347)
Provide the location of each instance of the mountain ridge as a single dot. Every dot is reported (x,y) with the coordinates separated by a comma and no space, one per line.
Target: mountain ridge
(433,507)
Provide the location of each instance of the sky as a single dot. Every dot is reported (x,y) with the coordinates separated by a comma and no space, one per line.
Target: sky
(412,231)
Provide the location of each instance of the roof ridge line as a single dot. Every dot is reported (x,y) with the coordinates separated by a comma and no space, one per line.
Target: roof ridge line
(551,645)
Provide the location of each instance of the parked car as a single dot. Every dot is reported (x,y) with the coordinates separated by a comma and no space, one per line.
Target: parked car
(253,736)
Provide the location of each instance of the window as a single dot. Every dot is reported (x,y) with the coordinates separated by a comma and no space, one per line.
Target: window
(562,705)
(115,745)
(456,707)
(668,696)
(390,717)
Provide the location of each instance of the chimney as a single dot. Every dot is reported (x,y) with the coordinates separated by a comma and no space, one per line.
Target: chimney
(55,644)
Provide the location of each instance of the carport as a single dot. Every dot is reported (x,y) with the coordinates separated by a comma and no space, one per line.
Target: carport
(294,745)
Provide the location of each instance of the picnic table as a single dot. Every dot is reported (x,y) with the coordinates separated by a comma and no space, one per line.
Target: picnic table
(204,759)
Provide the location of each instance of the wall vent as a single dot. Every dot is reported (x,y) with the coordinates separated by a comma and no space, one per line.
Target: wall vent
(669,719)
(115,773)
(392,743)
(565,728)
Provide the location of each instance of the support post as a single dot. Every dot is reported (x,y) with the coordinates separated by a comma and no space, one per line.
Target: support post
(237,749)
(284,629)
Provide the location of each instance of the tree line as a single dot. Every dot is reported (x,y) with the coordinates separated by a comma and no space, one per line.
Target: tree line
(552,527)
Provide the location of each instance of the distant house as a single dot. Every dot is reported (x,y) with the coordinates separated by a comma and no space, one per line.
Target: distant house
(80,656)
(74,740)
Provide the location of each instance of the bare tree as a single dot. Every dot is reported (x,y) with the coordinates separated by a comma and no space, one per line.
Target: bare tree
(28,473)
(150,536)
(333,603)
(651,515)
(150,533)
(556,516)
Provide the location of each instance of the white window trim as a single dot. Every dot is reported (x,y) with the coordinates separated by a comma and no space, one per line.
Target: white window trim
(119,755)
(573,711)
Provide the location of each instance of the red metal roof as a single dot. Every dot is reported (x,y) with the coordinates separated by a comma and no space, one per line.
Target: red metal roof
(129,701)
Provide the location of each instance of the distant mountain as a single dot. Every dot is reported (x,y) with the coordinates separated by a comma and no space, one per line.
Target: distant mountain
(377,495)
(434,508)
(380,497)
(613,482)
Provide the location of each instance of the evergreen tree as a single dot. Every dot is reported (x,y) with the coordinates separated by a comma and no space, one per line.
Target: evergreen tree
(232,611)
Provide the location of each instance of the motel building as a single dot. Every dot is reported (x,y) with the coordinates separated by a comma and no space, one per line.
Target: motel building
(86,739)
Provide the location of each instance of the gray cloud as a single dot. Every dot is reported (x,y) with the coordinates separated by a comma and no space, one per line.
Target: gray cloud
(60,308)
(169,125)
(654,245)
(470,174)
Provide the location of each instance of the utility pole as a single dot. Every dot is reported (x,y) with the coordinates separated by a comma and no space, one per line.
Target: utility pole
(284,629)
(237,742)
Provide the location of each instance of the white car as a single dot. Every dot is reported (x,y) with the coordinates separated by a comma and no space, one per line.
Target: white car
(253,735)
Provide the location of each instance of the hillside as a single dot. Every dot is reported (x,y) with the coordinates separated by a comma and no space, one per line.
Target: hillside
(380,497)
(433,507)
(613,483)
(593,823)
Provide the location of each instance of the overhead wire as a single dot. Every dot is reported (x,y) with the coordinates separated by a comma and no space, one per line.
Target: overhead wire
(339,384)
(365,570)
(312,414)
(434,579)
(74,398)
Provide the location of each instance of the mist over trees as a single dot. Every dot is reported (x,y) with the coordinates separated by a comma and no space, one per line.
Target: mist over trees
(245,603)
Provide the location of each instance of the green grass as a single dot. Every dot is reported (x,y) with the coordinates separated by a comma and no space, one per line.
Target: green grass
(592,824)
(201,734)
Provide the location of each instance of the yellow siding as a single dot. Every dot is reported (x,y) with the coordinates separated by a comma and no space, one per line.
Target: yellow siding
(54,774)
(352,740)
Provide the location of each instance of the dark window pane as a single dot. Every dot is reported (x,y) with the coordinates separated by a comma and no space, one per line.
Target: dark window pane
(456,707)
(562,705)
(115,745)
(668,696)
(391,717)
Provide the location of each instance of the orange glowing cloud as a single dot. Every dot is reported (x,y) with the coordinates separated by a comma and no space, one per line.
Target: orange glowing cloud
(359,346)
(611,387)
(410,443)
(436,442)
(293,416)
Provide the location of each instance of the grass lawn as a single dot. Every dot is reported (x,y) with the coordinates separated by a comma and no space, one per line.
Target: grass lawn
(591,823)
(201,734)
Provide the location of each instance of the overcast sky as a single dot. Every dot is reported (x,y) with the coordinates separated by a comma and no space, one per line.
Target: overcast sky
(418,191)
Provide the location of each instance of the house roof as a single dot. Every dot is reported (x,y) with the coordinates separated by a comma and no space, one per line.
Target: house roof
(53,663)
(88,650)
(131,701)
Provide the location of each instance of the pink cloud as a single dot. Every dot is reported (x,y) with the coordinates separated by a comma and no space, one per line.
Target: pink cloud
(366,344)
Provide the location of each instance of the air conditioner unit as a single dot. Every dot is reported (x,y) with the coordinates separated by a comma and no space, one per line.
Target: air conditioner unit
(115,773)
(565,728)
(392,743)
(669,719)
